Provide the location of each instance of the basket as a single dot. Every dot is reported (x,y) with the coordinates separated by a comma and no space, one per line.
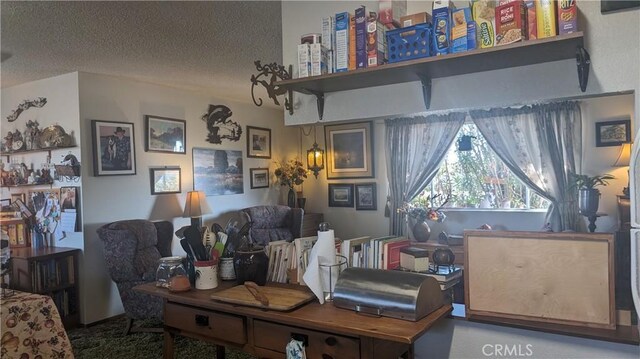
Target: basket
(409,43)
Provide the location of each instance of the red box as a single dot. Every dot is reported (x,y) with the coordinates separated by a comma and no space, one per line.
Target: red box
(510,23)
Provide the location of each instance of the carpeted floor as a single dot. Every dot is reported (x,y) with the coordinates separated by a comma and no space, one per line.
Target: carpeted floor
(106,340)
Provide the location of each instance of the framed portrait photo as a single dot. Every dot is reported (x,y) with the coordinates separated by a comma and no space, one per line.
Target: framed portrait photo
(613,133)
(349,153)
(164,134)
(366,197)
(217,172)
(259,177)
(23,208)
(258,142)
(113,148)
(165,180)
(340,195)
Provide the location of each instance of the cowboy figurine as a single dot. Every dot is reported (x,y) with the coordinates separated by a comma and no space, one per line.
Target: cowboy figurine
(122,151)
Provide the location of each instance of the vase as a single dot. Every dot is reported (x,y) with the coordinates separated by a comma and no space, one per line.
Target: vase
(588,201)
(291,198)
(421,231)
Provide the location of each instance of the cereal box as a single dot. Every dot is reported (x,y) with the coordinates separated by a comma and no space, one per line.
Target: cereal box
(376,41)
(318,59)
(472,36)
(390,12)
(510,23)
(342,42)
(304,60)
(567,16)
(484,13)
(328,40)
(442,25)
(352,42)
(546,17)
(460,18)
(361,37)
(532,22)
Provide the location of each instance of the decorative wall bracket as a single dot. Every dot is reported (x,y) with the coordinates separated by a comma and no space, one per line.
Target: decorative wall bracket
(319,101)
(268,75)
(583,61)
(426,90)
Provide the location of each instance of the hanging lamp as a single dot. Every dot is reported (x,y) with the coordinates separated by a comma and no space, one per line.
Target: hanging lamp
(315,156)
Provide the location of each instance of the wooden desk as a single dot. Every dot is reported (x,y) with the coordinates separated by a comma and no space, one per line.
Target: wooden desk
(330,332)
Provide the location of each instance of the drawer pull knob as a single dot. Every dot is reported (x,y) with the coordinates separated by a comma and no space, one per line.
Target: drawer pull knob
(202,320)
(331,341)
(326,356)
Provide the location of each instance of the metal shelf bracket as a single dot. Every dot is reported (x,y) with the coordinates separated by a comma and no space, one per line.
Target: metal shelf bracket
(583,62)
(426,90)
(319,100)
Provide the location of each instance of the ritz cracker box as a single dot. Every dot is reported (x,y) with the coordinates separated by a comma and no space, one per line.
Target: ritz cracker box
(567,16)
(441,15)
(510,23)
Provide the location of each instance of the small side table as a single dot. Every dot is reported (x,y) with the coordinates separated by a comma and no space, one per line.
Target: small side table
(592,220)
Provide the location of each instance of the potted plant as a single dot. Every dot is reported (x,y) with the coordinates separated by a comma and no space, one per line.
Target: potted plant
(588,194)
(291,173)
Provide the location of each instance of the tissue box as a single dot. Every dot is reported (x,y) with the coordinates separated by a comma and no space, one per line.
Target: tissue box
(414,259)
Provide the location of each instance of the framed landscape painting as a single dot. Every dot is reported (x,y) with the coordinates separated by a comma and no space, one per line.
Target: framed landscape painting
(258,142)
(349,150)
(259,177)
(113,148)
(366,197)
(340,195)
(165,180)
(165,134)
(613,133)
(217,172)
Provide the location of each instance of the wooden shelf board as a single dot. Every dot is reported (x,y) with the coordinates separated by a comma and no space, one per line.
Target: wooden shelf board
(622,334)
(34,151)
(513,55)
(41,253)
(29,185)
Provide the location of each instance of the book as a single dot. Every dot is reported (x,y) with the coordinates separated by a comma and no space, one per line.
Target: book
(352,248)
(392,252)
(302,247)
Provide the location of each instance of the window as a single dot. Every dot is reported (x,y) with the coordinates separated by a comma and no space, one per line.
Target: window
(477,178)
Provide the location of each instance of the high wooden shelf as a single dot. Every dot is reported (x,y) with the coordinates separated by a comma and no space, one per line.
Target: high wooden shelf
(523,53)
(19,152)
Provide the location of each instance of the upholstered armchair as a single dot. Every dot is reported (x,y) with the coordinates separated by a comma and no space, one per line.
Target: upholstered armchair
(272,223)
(131,250)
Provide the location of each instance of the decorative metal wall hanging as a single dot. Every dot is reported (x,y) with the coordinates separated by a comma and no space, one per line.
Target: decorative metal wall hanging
(25,105)
(69,170)
(220,126)
(268,76)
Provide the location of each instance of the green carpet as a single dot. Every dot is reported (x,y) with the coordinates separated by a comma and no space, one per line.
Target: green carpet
(106,340)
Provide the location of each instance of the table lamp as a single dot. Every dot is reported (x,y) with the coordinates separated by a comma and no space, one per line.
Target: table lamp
(195,207)
(623,161)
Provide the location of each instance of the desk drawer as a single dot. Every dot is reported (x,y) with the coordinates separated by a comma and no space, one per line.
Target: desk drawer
(321,345)
(215,325)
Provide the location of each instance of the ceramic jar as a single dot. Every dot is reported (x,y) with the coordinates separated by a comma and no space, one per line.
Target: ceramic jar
(251,264)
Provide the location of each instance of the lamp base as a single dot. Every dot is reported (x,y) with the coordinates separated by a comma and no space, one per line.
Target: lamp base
(196,222)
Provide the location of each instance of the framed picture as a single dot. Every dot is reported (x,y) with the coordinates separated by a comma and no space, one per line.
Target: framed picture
(258,142)
(113,148)
(69,198)
(340,195)
(164,134)
(616,5)
(349,153)
(18,196)
(23,208)
(165,180)
(5,203)
(613,133)
(366,197)
(217,172)
(259,177)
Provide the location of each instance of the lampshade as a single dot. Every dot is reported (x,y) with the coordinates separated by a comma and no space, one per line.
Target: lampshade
(194,206)
(315,159)
(623,156)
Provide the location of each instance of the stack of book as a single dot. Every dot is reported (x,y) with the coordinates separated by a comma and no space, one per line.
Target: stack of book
(376,253)
(447,276)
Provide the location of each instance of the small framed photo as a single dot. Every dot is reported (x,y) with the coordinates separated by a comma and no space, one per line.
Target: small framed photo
(366,197)
(22,207)
(5,203)
(113,148)
(613,133)
(258,142)
(18,196)
(259,177)
(349,150)
(340,195)
(165,180)
(164,134)
(68,198)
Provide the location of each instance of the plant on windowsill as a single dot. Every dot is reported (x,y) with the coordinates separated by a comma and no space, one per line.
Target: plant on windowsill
(421,212)
(291,173)
(588,194)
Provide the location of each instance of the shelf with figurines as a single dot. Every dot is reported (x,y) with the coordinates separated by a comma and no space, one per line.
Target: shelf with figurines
(34,139)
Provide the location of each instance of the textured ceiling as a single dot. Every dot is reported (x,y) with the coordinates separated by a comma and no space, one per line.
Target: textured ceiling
(203,46)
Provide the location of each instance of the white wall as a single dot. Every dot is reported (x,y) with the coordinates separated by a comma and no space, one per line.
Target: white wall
(112,198)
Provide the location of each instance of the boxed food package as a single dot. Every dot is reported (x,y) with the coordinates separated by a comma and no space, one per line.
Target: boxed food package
(313,38)
(318,59)
(352,42)
(328,40)
(390,12)
(510,23)
(441,15)
(361,37)
(460,18)
(342,42)
(472,36)
(546,17)
(414,259)
(413,19)
(375,41)
(567,16)
(532,22)
(304,60)
(484,14)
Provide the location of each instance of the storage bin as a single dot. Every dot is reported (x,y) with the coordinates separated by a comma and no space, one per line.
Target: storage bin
(409,43)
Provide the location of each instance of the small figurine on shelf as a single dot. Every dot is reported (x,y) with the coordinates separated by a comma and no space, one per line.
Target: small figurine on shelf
(17,143)
(7,144)
(32,135)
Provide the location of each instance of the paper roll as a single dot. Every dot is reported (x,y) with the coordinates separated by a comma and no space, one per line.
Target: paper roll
(323,252)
